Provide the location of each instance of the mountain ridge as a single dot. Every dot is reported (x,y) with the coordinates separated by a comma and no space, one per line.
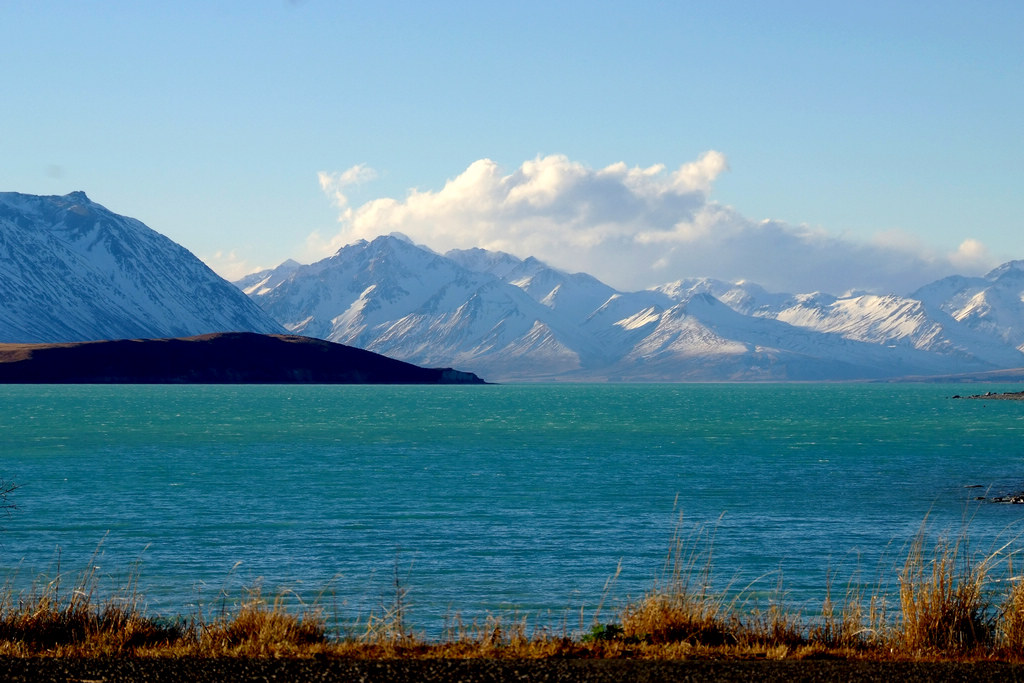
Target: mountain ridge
(72,270)
(75,271)
(571,326)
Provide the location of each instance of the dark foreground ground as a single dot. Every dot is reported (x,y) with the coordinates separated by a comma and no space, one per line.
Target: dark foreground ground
(474,670)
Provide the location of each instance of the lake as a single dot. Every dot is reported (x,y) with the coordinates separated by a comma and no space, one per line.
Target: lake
(492,500)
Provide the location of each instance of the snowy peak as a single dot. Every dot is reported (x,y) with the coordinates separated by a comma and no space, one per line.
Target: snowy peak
(992,307)
(404,301)
(508,318)
(1010,269)
(496,263)
(76,271)
(574,296)
(265,280)
(745,297)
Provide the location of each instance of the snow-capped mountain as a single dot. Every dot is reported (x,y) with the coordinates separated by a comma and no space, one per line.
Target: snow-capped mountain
(403,301)
(507,318)
(992,305)
(570,295)
(71,270)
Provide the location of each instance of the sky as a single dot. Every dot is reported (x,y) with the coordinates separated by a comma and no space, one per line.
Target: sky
(829,146)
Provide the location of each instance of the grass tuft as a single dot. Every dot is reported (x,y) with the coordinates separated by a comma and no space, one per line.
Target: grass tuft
(681,607)
(47,619)
(262,629)
(942,598)
(843,627)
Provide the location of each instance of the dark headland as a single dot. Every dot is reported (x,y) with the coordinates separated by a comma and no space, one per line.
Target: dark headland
(223,358)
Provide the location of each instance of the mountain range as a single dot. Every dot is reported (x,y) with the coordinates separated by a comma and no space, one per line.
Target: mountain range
(73,271)
(507,318)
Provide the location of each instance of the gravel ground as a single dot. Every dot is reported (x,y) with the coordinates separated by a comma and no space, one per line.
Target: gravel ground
(478,670)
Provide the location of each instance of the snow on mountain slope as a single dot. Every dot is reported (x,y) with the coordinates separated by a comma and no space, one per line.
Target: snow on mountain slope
(706,339)
(74,271)
(394,298)
(265,280)
(509,318)
(621,322)
(992,305)
(889,321)
(572,296)
(877,319)
(900,322)
(496,329)
(364,285)
(744,297)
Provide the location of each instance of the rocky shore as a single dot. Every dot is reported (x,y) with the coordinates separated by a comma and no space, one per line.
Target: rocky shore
(198,670)
(989,396)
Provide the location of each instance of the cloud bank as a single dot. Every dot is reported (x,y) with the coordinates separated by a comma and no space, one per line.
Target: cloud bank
(634,228)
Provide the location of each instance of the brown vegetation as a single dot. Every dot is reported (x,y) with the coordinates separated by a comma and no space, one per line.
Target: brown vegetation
(952,606)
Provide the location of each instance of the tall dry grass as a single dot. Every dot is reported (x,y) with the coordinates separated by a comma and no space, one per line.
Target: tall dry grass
(259,628)
(50,617)
(684,607)
(943,601)
(951,604)
(1010,625)
(681,606)
(846,625)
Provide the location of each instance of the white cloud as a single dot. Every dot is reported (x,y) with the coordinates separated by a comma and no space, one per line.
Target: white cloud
(632,227)
(229,265)
(971,254)
(335,184)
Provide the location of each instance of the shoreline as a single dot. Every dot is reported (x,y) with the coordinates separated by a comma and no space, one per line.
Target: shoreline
(953,610)
(1008,396)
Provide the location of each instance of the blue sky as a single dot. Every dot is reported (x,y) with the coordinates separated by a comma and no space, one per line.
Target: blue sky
(803,145)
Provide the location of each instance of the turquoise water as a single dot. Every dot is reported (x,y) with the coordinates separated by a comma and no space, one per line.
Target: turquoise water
(490,500)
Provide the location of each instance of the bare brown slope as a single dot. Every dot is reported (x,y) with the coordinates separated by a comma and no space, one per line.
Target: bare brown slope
(224,358)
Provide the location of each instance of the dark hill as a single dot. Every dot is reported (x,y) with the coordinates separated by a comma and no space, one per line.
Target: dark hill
(223,358)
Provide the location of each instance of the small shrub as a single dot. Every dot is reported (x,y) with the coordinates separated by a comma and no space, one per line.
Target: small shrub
(600,632)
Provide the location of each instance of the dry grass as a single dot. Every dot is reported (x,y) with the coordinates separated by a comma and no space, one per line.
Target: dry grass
(48,619)
(262,629)
(1011,622)
(681,606)
(942,598)
(847,626)
(950,607)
